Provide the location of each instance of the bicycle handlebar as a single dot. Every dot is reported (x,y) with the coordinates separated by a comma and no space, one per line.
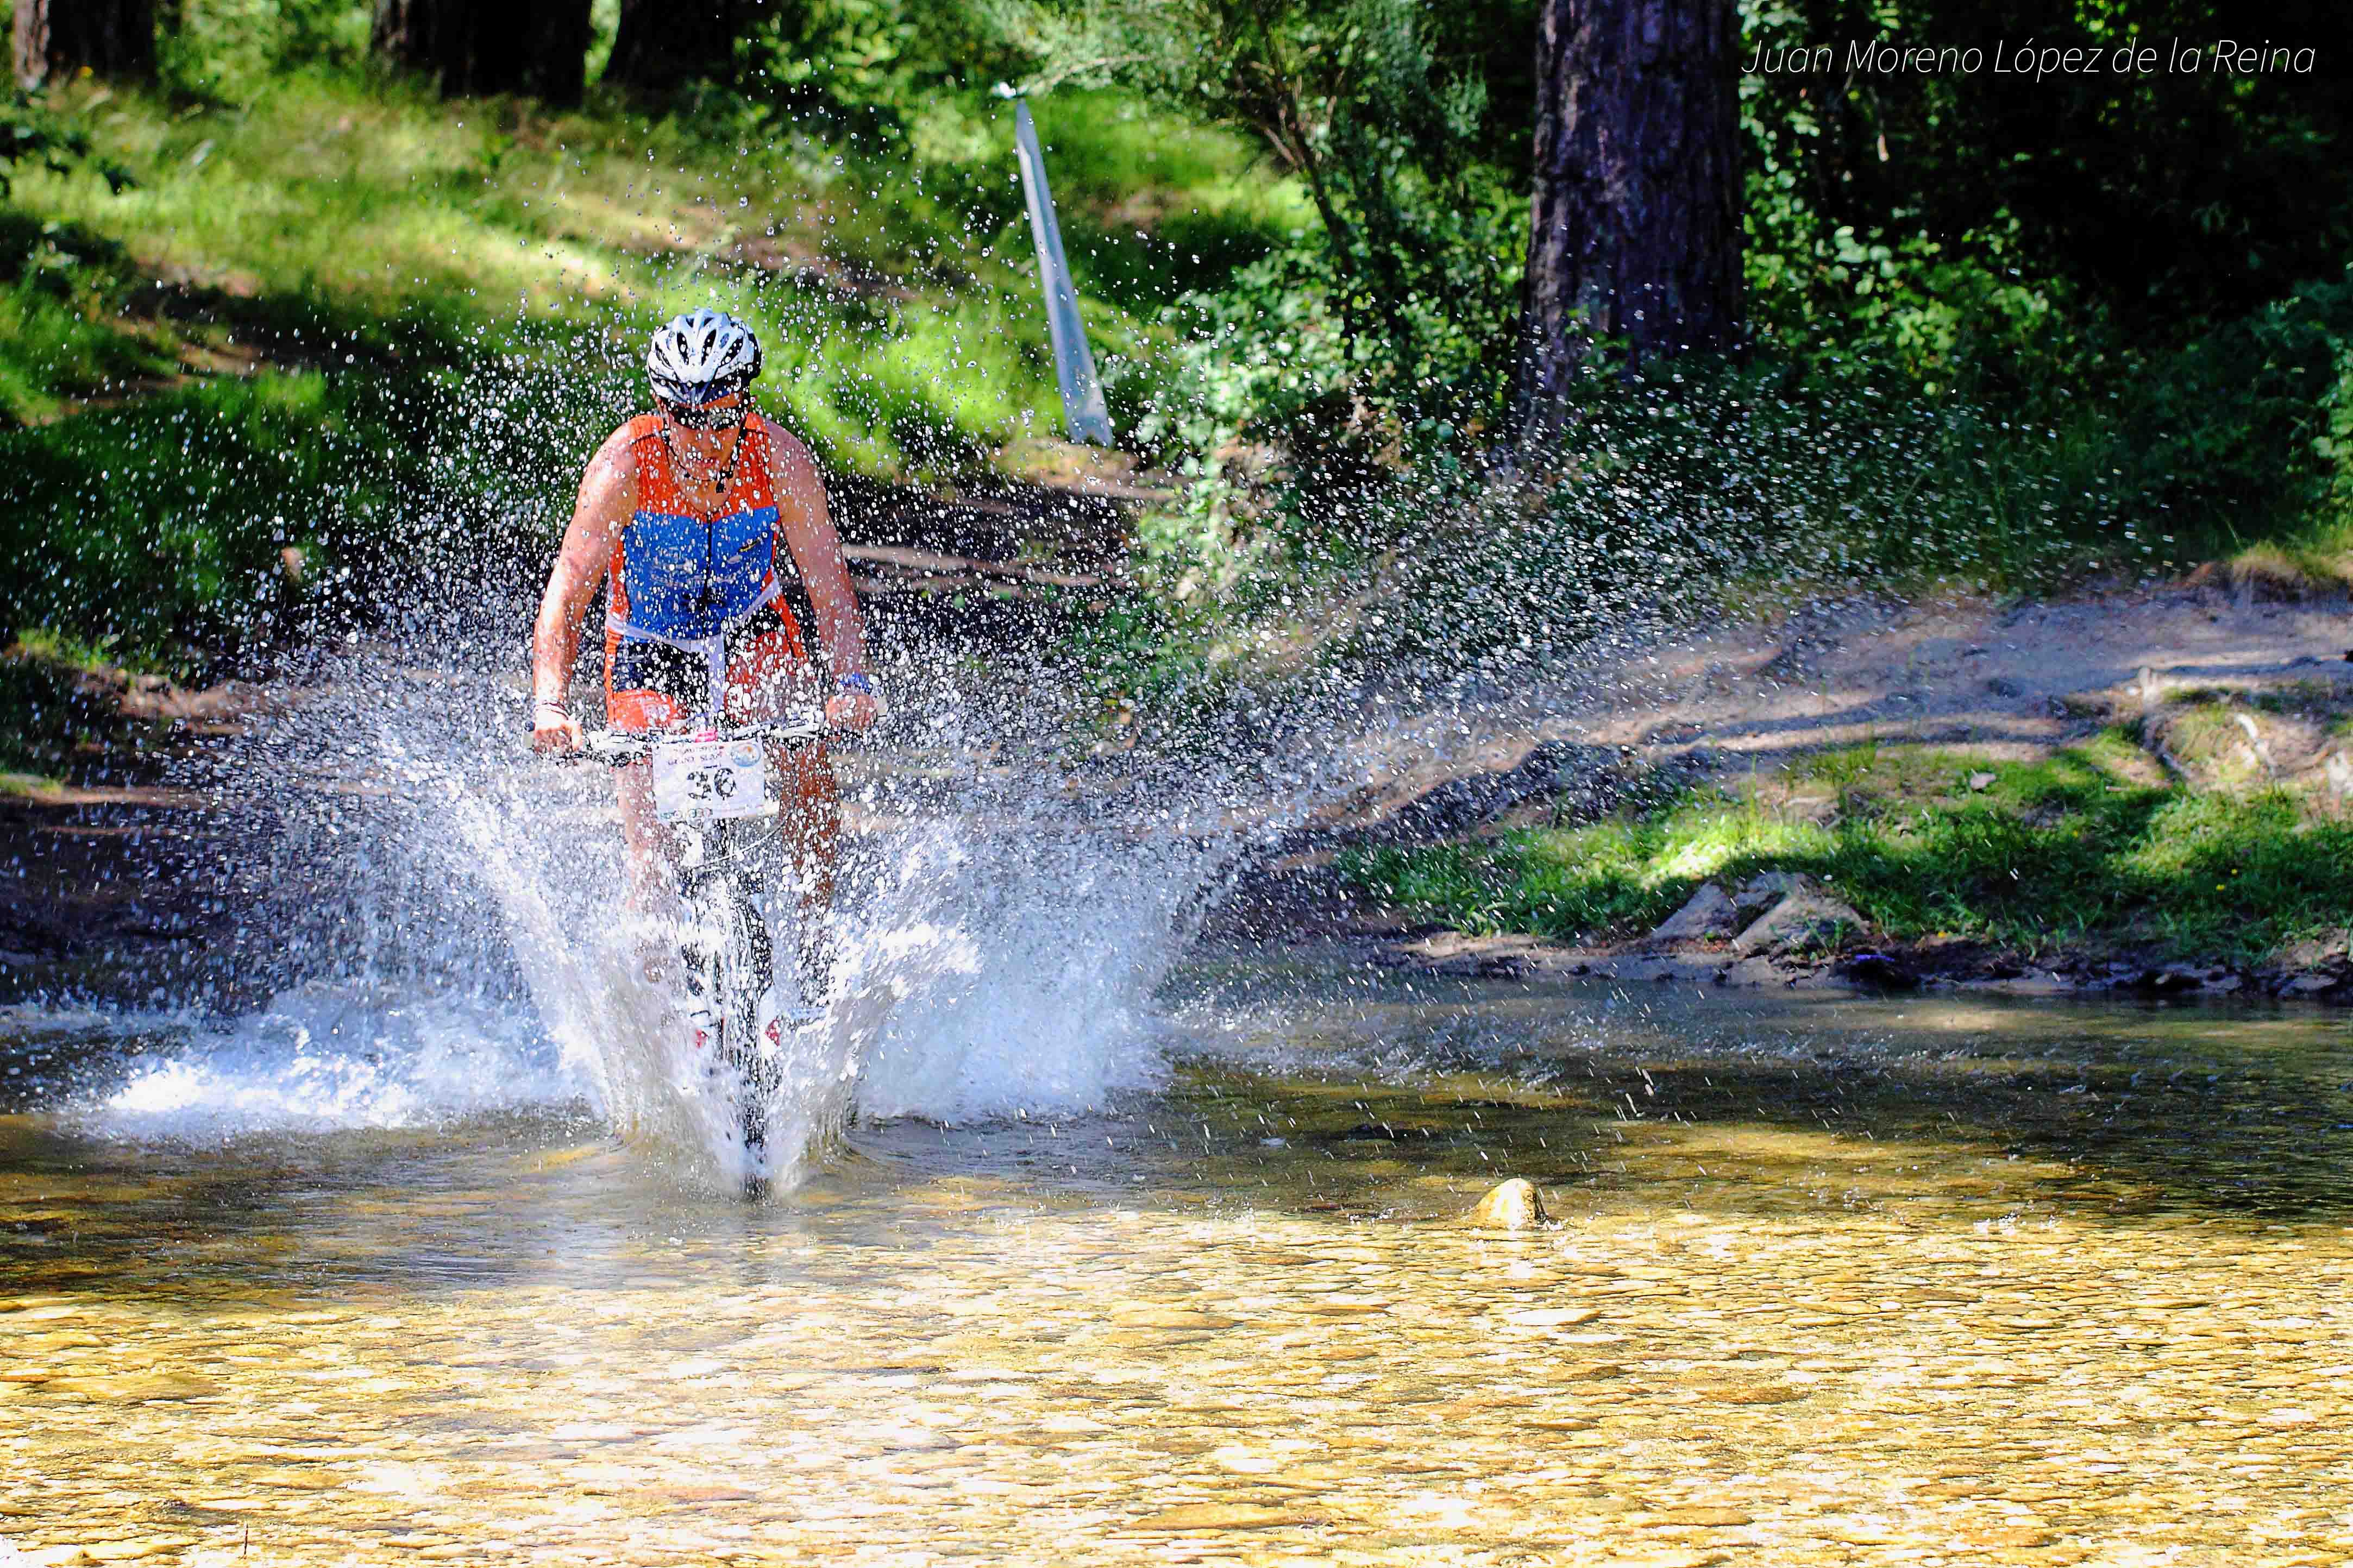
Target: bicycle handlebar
(618,748)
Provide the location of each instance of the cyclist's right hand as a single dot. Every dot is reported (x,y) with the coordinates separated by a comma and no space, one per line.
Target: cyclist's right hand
(555,732)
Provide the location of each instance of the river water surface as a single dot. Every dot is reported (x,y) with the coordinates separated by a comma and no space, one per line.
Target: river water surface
(1826,1281)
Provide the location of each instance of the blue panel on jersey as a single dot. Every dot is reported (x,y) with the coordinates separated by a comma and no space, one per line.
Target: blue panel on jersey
(685,580)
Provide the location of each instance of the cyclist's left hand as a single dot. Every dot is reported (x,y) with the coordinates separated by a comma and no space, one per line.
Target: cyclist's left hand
(851,711)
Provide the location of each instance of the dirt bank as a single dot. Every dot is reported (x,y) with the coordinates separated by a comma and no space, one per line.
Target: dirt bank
(2223,690)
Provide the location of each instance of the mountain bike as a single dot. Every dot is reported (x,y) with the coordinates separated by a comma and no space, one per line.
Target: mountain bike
(711,791)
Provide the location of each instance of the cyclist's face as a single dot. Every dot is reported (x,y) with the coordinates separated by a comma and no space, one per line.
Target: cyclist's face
(718,414)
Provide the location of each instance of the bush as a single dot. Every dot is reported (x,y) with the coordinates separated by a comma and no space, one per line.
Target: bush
(2248,431)
(157,527)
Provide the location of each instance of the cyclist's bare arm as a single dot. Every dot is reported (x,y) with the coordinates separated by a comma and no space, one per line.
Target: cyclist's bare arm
(802,518)
(608,495)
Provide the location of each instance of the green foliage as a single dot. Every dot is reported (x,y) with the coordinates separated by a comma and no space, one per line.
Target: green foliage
(2056,854)
(2245,432)
(850,53)
(227,51)
(158,526)
(62,293)
(1155,204)
(2170,198)
(1954,235)
(1412,277)
(35,134)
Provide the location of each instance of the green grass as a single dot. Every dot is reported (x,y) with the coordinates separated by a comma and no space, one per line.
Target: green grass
(153,530)
(2077,852)
(341,315)
(1150,205)
(64,711)
(900,294)
(59,336)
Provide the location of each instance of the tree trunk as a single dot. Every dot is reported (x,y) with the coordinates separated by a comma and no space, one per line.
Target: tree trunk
(557,49)
(537,46)
(55,38)
(662,45)
(424,35)
(1636,230)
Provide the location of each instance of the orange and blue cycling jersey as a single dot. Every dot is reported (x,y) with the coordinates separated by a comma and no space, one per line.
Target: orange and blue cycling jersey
(697,603)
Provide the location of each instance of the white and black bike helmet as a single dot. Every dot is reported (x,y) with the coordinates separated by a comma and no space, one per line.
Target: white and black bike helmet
(701,357)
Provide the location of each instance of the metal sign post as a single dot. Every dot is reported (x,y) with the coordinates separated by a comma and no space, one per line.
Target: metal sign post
(1075,363)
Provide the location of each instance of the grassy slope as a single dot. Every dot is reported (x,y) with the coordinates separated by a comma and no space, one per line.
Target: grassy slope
(381,206)
(386,277)
(2094,849)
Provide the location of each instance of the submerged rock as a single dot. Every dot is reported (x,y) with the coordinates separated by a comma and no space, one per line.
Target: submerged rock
(1509,1206)
(1708,914)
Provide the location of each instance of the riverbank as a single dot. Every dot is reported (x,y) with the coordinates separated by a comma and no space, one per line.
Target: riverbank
(2145,792)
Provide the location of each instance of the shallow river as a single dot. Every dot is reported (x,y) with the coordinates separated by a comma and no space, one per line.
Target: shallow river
(1937,1281)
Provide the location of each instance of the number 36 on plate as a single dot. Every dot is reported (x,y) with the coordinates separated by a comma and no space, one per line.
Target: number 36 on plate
(704,781)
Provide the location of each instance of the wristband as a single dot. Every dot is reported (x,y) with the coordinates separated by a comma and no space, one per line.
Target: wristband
(859,682)
(563,714)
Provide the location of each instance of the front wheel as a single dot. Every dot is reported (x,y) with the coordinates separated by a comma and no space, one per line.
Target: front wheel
(749,1037)
(729,972)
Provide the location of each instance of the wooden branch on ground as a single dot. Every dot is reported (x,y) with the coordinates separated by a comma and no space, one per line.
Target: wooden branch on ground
(925,561)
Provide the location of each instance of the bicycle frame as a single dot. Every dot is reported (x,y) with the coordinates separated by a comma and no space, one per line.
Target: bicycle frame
(727,950)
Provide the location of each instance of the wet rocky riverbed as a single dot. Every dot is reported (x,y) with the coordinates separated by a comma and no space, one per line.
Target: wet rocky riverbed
(1827,1281)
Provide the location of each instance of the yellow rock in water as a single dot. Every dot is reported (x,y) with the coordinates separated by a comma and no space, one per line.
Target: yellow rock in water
(1509,1206)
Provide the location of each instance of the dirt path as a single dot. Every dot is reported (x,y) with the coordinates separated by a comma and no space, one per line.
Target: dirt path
(2006,683)
(2011,683)
(1741,702)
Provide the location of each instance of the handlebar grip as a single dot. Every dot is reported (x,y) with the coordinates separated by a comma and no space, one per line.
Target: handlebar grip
(615,749)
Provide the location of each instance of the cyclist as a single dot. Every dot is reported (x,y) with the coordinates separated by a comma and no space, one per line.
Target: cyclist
(696,516)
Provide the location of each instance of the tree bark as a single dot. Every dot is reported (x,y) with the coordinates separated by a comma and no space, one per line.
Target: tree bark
(1635,238)
(55,38)
(552,63)
(421,35)
(662,45)
(475,47)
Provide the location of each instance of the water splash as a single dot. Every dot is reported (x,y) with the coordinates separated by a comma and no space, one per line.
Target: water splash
(331,1057)
(1026,959)
(439,923)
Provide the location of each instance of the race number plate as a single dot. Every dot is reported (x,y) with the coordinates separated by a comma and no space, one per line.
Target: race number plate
(704,781)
